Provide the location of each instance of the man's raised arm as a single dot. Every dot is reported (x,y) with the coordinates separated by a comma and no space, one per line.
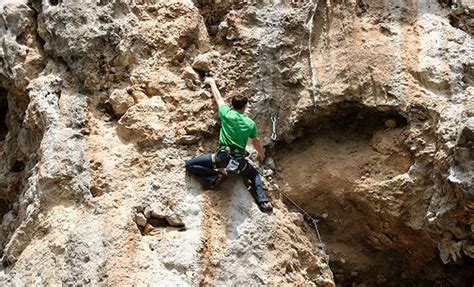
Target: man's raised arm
(215,91)
(257,143)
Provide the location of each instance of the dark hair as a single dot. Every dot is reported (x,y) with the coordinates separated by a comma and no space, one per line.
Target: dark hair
(239,102)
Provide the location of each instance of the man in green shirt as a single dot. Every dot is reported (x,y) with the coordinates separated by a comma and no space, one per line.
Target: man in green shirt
(236,129)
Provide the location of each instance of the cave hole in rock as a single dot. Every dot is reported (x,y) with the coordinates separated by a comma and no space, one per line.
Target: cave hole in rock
(54,2)
(338,151)
(103,2)
(106,109)
(214,13)
(3,207)
(3,113)
(158,222)
(338,168)
(349,143)
(18,166)
(153,224)
(41,41)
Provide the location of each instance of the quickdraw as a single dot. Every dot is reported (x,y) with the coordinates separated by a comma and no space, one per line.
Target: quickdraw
(274,123)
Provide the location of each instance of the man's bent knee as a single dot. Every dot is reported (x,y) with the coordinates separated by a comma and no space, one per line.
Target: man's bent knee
(187,165)
(249,172)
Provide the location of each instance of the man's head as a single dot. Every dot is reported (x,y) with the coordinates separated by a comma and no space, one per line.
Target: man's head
(239,102)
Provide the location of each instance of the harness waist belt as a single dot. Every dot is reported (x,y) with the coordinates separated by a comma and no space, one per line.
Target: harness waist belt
(232,150)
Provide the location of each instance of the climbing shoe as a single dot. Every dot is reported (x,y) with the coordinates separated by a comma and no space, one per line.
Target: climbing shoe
(265,206)
(219,179)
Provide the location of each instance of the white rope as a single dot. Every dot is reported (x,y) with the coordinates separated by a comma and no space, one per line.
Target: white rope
(314,77)
(313,220)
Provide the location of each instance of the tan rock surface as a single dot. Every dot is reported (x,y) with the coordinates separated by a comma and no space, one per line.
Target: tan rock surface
(100,106)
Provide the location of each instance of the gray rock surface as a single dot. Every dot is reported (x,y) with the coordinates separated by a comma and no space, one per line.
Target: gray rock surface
(373,102)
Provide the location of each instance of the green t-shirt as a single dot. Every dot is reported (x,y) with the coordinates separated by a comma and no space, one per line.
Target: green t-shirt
(236,127)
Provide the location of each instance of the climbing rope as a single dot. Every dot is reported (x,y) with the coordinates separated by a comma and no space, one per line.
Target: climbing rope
(274,123)
(314,76)
(313,220)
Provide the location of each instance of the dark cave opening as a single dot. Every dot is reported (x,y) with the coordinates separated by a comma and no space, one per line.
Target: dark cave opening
(346,116)
(3,208)
(18,166)
(214,13)
(354,141)
(54,2)
(153,224)
(338,168)
(3,113)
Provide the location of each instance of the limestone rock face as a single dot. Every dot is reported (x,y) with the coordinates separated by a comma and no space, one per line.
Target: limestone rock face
(206,62)
(102,101)
(121,101)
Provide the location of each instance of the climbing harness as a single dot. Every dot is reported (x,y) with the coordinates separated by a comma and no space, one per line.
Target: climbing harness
(232,167)
(213,160)
(313,220)
(274,123)
(234,152)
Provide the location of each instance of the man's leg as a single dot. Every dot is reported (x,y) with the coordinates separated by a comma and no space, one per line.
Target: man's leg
(249,172)
(203,166)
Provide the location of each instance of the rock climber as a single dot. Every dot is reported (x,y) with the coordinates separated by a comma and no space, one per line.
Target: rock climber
(236,129)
